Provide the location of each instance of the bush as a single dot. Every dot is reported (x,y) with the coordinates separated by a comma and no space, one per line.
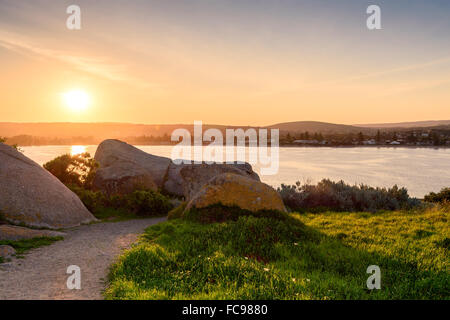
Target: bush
(74,170)
(440,197)
(93,200)
(329,195)
(221,213)
(140,202)
(147,202)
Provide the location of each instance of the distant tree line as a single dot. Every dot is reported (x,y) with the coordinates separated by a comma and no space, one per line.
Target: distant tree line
(435,137)
(432,137)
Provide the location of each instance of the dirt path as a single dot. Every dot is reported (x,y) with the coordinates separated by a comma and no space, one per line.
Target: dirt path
(42,273)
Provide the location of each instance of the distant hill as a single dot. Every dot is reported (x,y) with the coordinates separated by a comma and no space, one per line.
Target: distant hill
(415,124)
(119,130)
(316,126)
(97,131)
(93,133)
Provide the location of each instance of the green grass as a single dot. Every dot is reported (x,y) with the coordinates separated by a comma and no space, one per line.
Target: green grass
(22,246)
(106,214)
(308,256)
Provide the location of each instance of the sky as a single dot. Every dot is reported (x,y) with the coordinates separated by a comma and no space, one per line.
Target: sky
(239,62)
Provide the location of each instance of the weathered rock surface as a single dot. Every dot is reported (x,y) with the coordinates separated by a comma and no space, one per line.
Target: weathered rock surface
(230,189)
(30,195)
(124,168)
(13,233)
(193,177)
(6,251)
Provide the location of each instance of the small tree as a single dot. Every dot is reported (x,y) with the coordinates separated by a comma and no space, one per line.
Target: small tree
(74,170)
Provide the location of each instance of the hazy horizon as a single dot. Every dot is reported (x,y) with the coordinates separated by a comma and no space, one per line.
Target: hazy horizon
(225,124)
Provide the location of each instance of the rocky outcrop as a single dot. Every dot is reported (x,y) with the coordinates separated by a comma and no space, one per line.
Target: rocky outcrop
(14,233)
(6,251)
(31,196)
(230,189)
(124,168)
(194,176)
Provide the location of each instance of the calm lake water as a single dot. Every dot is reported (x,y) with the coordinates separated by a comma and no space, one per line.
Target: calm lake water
(421,170)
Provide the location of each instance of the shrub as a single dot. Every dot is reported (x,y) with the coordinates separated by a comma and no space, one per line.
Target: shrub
(140,202)
(329,195)
(147,202)
(93,200)
(442,196)
(74,169)
(221,213)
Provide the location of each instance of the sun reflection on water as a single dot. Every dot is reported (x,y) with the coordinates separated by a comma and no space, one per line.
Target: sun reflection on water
(77,150)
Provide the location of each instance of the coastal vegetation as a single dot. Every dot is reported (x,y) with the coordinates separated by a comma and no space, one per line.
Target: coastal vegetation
(78,170)
(339,196)
(442,196)
(77,173)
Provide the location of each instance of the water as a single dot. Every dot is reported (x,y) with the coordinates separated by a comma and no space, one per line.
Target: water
(421,170)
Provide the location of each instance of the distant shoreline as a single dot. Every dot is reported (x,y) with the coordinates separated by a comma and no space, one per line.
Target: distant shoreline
(281,146)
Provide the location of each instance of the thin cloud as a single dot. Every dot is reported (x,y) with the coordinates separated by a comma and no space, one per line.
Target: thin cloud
(97,66)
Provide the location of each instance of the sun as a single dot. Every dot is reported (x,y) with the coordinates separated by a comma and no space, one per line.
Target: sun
(76,100)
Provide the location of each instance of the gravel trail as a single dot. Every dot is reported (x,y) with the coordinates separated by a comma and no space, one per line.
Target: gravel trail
(41,274)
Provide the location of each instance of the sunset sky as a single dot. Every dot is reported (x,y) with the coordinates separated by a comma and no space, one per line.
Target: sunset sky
(240,62)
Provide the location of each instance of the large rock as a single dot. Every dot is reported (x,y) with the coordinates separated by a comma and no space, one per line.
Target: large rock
(14,233)
(124,168)
(236,190)
(193,177)
(31,196)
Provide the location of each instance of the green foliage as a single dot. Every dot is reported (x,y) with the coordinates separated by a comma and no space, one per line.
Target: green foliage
(221,213)
(22,246)
(139,203)
(148,203)
(314,256)
(78,172)
(442,196)
(74,169)
(177,212)
(339,196)
(92,200)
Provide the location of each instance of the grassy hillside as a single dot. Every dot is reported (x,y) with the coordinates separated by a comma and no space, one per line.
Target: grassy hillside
(308,256)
